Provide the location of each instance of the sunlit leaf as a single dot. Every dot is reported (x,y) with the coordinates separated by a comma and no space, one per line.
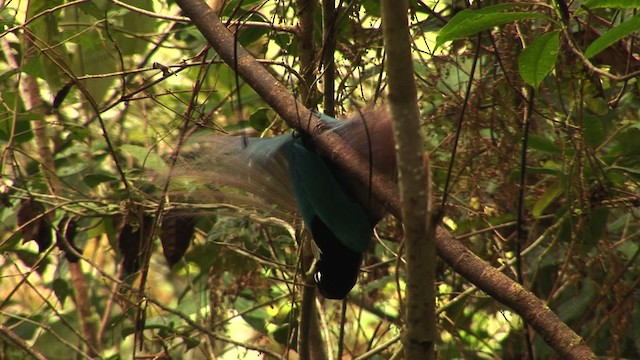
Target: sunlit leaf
(597,105)
(191,341)
(469,22)
(260,120)
(250,34)
(256,318)
(8,74)
(372,7)
(45,29)
(538,59)
(32,259)
(22,131)
(610,37)
(72,168)
(613,4)
(146,158)
(551,193)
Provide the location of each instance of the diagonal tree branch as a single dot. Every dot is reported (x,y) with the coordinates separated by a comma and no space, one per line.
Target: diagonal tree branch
(556,333)
(282,101)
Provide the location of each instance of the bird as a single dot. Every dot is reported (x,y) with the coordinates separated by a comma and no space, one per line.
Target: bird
(287,172)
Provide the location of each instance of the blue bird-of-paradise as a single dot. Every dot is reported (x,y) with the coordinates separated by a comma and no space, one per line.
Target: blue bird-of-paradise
(286,170)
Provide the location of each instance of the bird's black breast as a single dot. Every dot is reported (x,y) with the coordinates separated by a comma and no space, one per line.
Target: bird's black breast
(338,267)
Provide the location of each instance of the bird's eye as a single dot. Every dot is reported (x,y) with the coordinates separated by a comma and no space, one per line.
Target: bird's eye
(317,277)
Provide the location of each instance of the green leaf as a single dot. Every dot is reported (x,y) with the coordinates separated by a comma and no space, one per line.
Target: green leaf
(286,43)
(596,225)
(22,132)
(256,318)
(610,37)
(616,4)
(61,289)
(541,143)
(593,131)
(468,22)
(6,75)
(597,105)
(91,9)
(190,341)
(546,199)
(250,34)
(633,171)
(628,249)
(45,29)
(77,132)
(543,170)
(231,6)
(34,68)
(148,159)
(148,326)
(135,23)
(372,8)
(32,259)
(11,243)
(539,58)
(59,327)
(260,120)
(583,296)
(72,168)
(93,180)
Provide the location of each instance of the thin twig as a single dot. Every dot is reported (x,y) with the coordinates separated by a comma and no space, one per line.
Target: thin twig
(17,340)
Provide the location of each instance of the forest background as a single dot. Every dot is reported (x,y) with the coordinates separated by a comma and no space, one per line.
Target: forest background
(530,116)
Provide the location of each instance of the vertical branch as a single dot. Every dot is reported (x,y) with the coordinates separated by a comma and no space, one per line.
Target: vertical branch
(306,14)
(419,244)
(83,304)
(521,216)
(306,314)
(328,50)
(30,94)
(329,14)
(310,345)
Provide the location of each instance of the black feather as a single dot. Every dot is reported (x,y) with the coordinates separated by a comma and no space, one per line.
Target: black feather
(338,267)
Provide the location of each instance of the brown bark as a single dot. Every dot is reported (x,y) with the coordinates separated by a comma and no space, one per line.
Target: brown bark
(329,15)
(420,334)
(307,50)
(310,345)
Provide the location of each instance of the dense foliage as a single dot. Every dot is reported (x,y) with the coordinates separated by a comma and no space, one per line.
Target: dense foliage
(97,96)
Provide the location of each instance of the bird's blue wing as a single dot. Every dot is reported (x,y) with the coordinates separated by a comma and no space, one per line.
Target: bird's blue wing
(319,194)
